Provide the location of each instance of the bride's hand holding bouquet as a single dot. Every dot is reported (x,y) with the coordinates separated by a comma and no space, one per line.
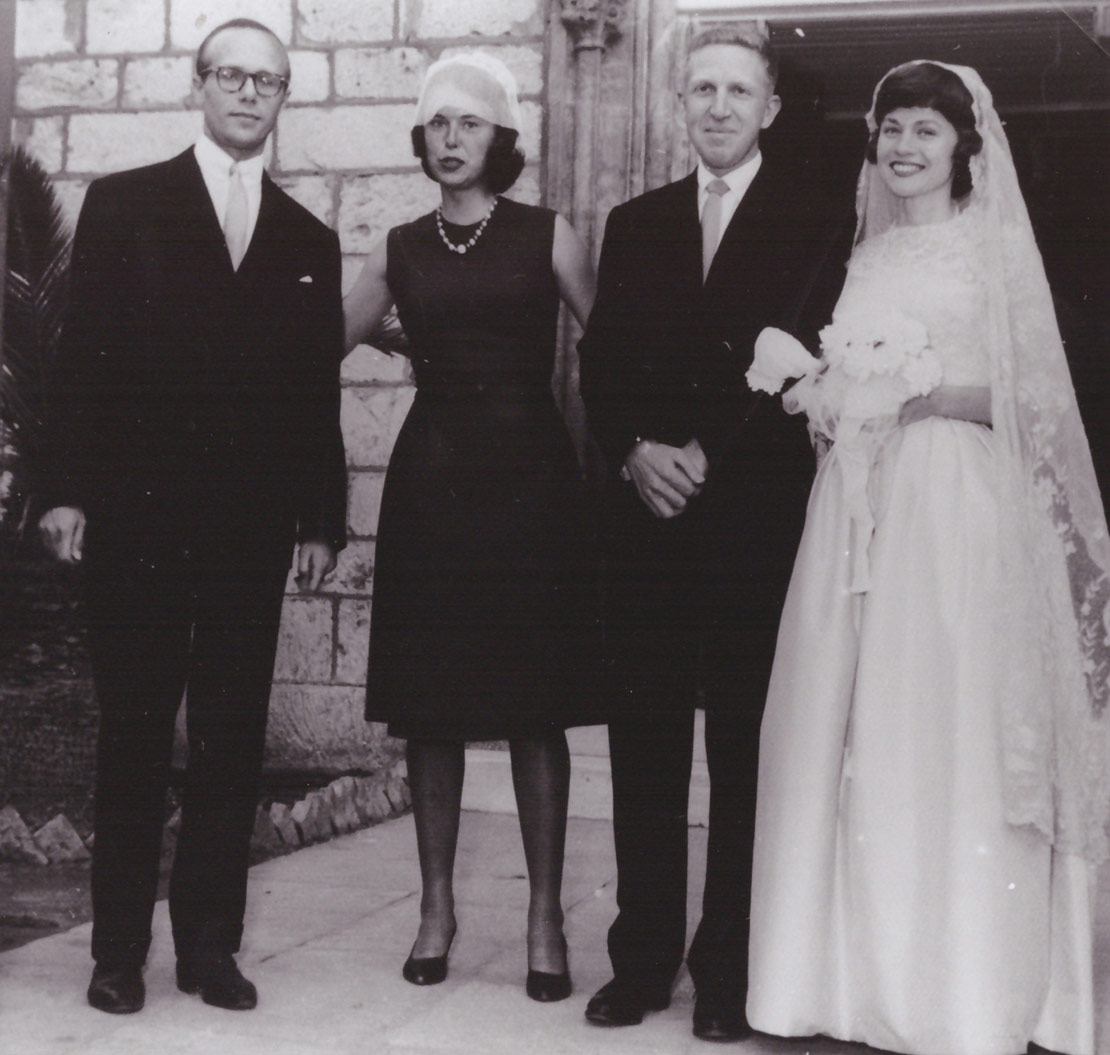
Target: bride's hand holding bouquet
(876,369)
(873,366)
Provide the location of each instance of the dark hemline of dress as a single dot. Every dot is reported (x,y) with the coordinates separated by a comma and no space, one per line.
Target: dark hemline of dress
(485,617)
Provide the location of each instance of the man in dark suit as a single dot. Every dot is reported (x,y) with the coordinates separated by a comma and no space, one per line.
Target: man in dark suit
(704,505)
(195,441)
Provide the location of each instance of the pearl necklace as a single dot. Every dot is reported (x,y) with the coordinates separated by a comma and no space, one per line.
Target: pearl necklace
(469,244)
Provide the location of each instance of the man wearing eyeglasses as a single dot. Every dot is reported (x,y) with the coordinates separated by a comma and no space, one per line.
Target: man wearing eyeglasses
(194,447)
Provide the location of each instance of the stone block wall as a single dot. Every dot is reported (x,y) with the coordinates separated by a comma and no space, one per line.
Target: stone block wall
(104,85)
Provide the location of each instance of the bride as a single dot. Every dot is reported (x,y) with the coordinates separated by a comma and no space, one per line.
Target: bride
(933,782)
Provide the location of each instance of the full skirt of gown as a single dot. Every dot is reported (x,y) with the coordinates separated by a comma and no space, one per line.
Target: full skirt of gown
(892,903)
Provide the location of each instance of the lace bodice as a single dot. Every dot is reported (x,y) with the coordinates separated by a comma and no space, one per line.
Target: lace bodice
(931,273)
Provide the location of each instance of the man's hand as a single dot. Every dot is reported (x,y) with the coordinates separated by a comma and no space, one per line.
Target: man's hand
(63,533)
(315,561)
(666,477)
(701,462)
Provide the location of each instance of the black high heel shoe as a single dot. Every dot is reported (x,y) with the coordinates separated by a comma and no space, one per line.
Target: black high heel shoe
(547,987)
(427,970)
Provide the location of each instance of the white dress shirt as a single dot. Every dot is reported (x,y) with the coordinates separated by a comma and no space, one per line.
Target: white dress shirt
(738,180)
(215,167)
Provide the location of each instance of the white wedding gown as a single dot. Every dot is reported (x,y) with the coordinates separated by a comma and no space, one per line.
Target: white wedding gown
(892,904)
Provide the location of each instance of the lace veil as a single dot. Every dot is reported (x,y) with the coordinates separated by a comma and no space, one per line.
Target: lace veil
(1053,626)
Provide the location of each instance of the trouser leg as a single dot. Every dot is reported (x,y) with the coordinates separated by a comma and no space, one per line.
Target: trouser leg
(650,754)
(231,668)
(652,639)
(738,664)
(718,957)
(139,638)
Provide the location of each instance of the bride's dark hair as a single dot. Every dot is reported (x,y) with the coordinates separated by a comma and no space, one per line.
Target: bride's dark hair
(933,87)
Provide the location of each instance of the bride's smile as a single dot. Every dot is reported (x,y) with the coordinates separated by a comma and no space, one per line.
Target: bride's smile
(914,153)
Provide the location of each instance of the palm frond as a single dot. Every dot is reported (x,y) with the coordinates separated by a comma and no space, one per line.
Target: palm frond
(35,291)
(36,286)
(37,227)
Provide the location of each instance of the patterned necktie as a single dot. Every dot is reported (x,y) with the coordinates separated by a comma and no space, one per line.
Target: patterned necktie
(235,219)
(711,224)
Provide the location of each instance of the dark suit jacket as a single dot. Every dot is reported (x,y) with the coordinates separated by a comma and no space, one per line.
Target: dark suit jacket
(192,400)
(664,356)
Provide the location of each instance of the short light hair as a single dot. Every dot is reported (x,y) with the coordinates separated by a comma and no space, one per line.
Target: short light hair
(740,37)
(236,23)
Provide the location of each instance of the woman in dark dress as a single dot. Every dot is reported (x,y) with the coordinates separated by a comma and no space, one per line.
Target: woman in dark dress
(483,623)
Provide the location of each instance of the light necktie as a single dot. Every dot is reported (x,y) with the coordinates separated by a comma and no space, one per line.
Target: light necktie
(711,224)
(235,218)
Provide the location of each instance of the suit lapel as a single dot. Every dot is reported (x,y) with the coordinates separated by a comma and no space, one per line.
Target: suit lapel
(198,264)
(266,287)
(264,241)
(198,224)
(743,229)
(202,227)
(682,236)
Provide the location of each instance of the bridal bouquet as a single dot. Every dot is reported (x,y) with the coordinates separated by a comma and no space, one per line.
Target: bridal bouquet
(871,363)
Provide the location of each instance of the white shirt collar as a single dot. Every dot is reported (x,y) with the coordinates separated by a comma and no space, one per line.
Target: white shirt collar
(215,168)
(738,180)
(213,160)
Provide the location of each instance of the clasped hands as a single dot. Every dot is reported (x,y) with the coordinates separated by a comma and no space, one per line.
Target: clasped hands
(315,562)
(63,536)
(666,477)
(63,533)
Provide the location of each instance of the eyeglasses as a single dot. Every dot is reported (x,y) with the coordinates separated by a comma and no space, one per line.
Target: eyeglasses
(232,79)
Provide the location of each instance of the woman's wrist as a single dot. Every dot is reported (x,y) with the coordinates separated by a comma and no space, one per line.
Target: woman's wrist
(962,403)
(939,402)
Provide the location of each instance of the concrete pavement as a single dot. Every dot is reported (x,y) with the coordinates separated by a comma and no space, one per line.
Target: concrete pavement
(327,931)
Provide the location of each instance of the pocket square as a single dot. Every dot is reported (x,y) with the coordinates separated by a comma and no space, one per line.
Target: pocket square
(305,278)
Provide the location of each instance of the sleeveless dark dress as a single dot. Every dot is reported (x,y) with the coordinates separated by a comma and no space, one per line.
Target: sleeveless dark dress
(484,621)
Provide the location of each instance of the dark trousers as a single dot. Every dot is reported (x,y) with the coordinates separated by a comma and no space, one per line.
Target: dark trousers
(651,763)
(203,624)
(689,625)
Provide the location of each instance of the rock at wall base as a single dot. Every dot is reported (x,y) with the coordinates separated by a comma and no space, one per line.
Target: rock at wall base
(59,840)
(16,841)
(282,817)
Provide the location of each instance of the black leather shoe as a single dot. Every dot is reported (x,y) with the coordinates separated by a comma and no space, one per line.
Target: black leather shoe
(218,980)
(618,1003)
(547,987)
(427,970)
(720,1020)
(117,990)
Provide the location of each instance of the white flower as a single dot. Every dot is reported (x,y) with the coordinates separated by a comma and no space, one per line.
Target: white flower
(922,373)
(879,341)
(878,358)
(778,357)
